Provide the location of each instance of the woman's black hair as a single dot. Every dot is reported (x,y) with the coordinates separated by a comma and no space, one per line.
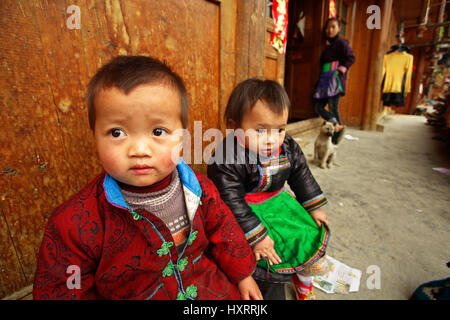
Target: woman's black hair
(326,24)
(249,92)
(332,19)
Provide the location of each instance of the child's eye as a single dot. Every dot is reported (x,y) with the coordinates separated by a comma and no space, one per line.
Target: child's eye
(261,131)
(281,130)
(159,132)
(117,133)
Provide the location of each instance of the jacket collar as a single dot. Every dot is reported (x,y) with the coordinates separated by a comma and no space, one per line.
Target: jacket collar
(191,188)
(242,153)
(331,41)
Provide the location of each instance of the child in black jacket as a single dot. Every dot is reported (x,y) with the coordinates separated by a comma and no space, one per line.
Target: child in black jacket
(288,233)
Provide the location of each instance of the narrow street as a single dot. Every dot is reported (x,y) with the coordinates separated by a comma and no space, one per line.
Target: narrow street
(388,207)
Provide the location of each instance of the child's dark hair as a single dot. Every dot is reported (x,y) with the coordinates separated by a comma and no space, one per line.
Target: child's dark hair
(128,72)
(249,91)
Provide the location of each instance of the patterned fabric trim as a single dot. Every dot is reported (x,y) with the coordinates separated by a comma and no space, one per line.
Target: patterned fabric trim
(181,236)
(281,162)
(269,168)
(320,252)
(256,234)
(315,203)
(329,66)
(154,292)
(157,199)
(342,69)
(265,181)
(261,197)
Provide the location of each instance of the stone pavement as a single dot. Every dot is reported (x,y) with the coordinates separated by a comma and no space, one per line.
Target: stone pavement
(387,207)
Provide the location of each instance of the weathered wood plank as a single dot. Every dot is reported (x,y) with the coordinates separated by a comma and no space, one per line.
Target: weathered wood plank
(33,152)
(228,12)
(25,293)
(12,277)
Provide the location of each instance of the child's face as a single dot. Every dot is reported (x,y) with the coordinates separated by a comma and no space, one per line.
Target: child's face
(136,134)
(332,29)
(264,129)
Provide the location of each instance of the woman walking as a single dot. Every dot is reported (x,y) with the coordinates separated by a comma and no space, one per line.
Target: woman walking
(335,61)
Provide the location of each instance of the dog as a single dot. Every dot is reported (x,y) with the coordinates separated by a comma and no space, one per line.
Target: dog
(324,149)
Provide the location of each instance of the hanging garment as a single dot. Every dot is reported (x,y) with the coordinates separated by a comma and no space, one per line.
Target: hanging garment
(397,73)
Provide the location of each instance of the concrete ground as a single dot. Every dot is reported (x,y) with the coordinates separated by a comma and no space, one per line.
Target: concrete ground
(388,208)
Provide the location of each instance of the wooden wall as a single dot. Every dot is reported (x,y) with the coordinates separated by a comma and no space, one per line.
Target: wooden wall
(421,60)
(363,106)
(352,105)
(47,148)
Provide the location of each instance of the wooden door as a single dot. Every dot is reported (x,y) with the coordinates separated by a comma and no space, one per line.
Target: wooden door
(302,56)
(47,148)
(344,9)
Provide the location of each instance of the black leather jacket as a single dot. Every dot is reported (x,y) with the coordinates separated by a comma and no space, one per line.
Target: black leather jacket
(235,171)
(235,180)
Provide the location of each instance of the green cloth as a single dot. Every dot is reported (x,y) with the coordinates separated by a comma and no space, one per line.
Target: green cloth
(326,67)
(297,237)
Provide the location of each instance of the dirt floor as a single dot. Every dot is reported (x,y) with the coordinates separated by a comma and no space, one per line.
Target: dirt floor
(388,208)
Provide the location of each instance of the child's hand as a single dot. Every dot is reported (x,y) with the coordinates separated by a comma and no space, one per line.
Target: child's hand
(319,216)
(249,289)
(264,249)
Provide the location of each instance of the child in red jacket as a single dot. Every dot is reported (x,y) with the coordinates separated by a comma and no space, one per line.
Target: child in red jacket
(148,227)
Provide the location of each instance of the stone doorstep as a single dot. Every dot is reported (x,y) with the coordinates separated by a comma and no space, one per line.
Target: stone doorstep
(25,293)
(304,132)
(383,118)
(304,125)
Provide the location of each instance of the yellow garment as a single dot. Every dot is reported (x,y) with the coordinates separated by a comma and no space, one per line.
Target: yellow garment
(395,65)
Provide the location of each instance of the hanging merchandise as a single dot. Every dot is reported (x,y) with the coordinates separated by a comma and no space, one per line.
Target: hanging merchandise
(332,11)
(301,23)
(397,73)
(280,17)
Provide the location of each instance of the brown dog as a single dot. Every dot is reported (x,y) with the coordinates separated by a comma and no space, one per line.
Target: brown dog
(324,149)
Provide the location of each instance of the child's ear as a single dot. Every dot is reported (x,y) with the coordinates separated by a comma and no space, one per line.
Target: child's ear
(231,124)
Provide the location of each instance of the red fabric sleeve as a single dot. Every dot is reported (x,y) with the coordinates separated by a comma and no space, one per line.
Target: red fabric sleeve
(229,248)
(67,254)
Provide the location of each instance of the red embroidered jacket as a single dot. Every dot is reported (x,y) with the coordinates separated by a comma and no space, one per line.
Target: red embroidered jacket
(126,254)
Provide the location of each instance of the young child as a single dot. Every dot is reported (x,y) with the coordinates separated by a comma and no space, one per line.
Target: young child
(148,227)
(250,168)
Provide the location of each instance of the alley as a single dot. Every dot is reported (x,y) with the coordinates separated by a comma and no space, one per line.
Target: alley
(388,207)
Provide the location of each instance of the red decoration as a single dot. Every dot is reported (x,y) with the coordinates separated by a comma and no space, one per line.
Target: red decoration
(332,9)
(280,17)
